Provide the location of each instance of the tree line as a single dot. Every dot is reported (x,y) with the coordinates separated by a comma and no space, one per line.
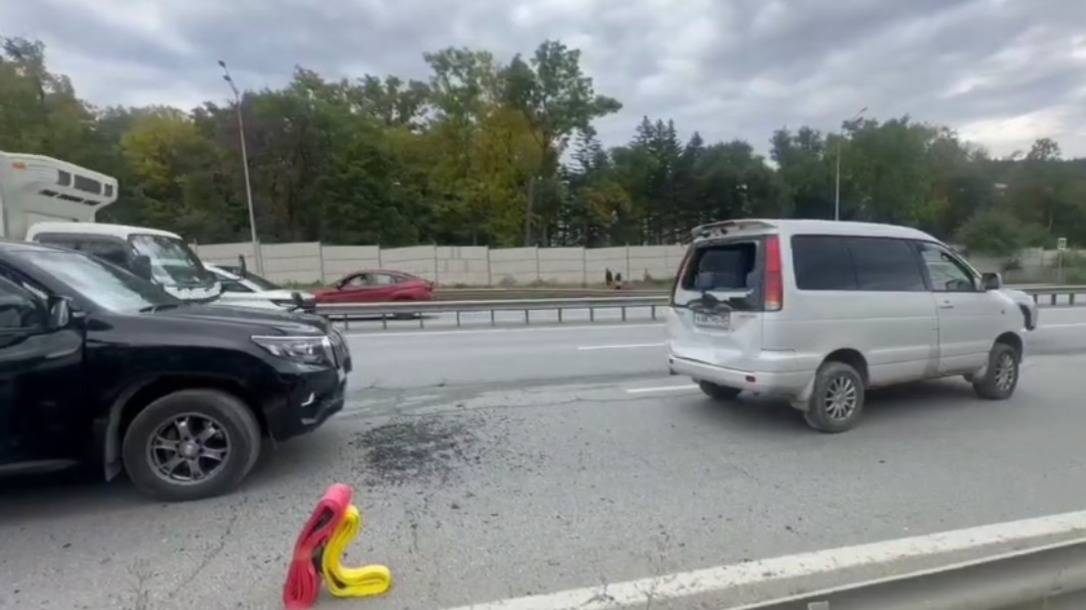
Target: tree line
(505,154)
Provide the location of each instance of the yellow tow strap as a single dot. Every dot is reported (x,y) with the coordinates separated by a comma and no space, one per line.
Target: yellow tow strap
(342,581)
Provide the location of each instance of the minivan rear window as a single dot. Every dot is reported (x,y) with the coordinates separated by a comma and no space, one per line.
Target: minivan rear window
(722,267)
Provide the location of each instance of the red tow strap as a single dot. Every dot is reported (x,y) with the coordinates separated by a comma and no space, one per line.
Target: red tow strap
(303,580)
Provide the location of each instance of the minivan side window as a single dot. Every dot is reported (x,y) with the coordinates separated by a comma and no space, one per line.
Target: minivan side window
(946,273)
(886,264)
(835,262)
(822,262)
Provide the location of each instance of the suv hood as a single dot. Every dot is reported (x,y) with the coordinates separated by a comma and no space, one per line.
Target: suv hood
(259,321)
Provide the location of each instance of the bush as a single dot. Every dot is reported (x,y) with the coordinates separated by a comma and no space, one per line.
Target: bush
(997,233)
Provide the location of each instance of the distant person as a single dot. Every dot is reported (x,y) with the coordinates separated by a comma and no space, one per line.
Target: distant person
(618,281)
(608,278)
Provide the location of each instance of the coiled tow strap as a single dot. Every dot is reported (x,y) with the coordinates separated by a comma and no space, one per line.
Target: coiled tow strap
(334,524)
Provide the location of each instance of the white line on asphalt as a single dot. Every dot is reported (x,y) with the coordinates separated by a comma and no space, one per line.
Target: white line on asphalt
(430,333)
(588,348)
(735,577)
(662,388)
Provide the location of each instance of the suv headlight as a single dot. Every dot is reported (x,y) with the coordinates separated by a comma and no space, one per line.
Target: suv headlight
(316,350)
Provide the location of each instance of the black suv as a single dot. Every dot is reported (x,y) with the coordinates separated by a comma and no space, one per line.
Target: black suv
(99,364)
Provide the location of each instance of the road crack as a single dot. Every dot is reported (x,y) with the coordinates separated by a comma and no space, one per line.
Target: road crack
(214,551)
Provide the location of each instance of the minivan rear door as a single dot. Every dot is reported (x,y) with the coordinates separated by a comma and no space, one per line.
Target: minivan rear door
(717,302)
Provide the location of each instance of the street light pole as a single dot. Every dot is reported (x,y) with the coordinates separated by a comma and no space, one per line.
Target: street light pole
(837,182)
(245,170)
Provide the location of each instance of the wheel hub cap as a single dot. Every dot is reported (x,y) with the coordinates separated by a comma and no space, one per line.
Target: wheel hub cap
(1005,373)
(840,398)
(188,449)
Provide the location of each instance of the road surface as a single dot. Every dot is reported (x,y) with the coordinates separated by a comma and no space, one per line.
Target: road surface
(497,464)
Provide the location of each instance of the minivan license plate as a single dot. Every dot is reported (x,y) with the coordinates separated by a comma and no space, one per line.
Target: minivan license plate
(714,320)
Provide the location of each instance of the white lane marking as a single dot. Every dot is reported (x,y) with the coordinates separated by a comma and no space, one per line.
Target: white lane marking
(430,333)
(662,388)
(588,348)
(736,576)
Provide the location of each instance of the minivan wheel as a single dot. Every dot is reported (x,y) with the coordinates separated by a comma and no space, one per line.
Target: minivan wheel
(191,444)
(837,399)
(718,392)
(1001,377)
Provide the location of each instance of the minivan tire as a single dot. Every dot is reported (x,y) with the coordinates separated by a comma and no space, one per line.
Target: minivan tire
(837,399)
(165,473)
(718,392)
(1001,376)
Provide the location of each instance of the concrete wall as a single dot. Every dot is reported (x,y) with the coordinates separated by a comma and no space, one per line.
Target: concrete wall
(310,262)
(468,265)
(298,262)
(562,265)
(225,254)
(654,262)
(599,260)
(416,260)
(342,260)
(514,266)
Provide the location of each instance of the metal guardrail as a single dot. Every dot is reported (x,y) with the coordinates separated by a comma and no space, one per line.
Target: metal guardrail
(1053,293)
(346,313)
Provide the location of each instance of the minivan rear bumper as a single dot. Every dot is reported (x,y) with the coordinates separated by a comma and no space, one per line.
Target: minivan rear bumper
(779,383)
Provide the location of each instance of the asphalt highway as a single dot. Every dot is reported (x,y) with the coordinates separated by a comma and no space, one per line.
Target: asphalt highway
(497,463)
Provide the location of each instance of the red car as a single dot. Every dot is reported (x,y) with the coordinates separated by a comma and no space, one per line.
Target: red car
(377,286)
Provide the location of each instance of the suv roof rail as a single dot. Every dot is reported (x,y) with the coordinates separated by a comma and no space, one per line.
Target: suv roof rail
(722,226)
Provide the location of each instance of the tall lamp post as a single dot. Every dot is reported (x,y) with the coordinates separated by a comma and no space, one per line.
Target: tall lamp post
(245,169)
(837,185)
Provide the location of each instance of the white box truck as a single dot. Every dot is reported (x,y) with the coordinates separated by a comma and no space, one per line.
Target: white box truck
(54,202)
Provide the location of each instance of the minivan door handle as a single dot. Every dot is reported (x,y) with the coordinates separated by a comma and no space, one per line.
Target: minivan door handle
(946,305)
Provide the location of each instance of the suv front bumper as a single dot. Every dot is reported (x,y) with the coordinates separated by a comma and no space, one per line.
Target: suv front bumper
(305,400)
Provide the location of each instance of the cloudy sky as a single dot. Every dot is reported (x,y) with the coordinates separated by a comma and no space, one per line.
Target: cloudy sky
(1001,72)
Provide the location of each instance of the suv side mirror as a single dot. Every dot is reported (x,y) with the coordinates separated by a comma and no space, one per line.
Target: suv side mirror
(991,281)
(141,266)
(60,313)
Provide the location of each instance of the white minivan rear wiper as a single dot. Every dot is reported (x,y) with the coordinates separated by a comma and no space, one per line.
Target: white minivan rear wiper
(709,301)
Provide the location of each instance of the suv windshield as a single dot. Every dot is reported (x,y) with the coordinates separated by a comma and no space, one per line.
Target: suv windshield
(105,285)
(172,262)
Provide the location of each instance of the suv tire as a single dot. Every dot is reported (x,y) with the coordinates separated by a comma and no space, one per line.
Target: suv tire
(718,392)
(191,444)
(837,400)
(1001,377)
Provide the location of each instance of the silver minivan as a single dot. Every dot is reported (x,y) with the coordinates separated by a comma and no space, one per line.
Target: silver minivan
(819,311)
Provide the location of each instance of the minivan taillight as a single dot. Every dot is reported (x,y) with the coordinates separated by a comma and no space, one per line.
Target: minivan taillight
(774,284)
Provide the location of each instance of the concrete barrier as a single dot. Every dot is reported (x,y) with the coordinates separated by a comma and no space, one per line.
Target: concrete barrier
(342,260)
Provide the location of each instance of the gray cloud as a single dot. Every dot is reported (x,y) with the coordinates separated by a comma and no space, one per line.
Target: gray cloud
(1002,72)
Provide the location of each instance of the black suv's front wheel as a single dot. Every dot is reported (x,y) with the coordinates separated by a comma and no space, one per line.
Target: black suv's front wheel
(191,444)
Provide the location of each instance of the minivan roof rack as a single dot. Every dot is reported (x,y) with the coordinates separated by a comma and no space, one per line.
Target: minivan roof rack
(723,226)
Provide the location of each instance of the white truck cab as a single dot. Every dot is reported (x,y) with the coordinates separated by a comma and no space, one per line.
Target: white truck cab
(819,311)
(54,202)
(159,256)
